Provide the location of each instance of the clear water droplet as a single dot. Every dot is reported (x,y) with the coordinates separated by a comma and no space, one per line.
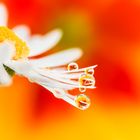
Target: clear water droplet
(82,101)
(89,71)
(86,80)
(82,89)
(72,66)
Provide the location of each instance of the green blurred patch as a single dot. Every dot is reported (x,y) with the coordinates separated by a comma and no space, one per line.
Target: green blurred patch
(76,27)
(9,71)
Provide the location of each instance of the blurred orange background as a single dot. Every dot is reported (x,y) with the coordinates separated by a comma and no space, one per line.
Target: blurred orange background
(108,31)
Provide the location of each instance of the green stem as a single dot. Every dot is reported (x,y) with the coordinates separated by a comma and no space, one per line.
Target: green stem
(9,70)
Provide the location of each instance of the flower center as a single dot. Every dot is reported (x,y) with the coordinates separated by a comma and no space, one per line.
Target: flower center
(22,50)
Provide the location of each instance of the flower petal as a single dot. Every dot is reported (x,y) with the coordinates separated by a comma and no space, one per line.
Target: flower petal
(5,79)
(21,67)
(3,15)
(62,94)
(22,31)
(39,44)
(61,81)
(24,68)
(7,51)
(58,59)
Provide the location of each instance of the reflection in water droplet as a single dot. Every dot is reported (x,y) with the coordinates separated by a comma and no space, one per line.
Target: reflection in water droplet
(72,66)
(86,80)
(89,71)
(82,89)
(82,101)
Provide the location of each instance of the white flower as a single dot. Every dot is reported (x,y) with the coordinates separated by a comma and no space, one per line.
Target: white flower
(49,71)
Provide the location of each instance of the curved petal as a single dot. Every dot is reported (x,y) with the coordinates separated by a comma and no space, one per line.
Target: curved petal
(7,51)
(79,70)
(39,44)
(21,67)
(24,68)
(62,94)
(22,31)
(3,15)
(58,59)
(43,77)
(59,79)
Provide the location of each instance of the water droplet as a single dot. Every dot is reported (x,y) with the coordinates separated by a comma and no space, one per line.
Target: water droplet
(82,89)
(89,71)
(82,101)
(72,66)
(86,80)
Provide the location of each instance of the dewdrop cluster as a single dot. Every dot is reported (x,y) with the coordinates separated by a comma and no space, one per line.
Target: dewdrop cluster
(86,79)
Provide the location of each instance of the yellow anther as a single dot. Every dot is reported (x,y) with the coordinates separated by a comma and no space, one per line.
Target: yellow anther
(22,51)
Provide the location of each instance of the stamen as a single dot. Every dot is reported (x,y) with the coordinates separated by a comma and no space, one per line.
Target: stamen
(86,80)
(22,51)
(79,70)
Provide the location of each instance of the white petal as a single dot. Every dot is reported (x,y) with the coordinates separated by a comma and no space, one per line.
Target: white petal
(44,81)
(59,81)
(74,74)
(7,51)
(64,95)
(49,80)
(22,31)
(57,77)
(21,67)
(5,79)
(40,44)
(60,93)
(3,15)
(25,69)
(79,70)
(58,59)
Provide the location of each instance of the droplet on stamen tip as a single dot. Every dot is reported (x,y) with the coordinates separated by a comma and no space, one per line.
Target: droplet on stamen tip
(89,71)
(82,89)
(72,66)
(86,80)
(82,101)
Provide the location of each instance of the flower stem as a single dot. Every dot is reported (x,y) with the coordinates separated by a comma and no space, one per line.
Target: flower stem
(9,70)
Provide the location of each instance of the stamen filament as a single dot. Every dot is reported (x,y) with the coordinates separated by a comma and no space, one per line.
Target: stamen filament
(79,70)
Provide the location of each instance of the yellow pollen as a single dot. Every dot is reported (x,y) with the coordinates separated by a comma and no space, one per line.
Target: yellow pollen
(22,50)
